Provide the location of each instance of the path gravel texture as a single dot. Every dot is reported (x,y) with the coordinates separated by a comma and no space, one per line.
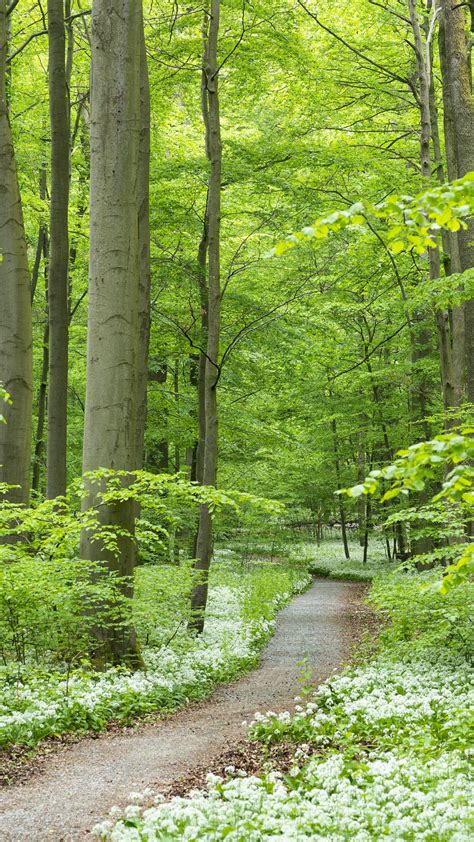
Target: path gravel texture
(80,784)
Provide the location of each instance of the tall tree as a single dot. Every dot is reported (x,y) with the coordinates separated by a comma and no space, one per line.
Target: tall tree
(459,124)
(58,297)
(16,362)
(114,272)
(42,251)
(429,143)
(144,251)
(211,116)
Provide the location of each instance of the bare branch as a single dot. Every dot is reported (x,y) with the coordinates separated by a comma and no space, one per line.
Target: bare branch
(353,49)
(12,6)
(25,44)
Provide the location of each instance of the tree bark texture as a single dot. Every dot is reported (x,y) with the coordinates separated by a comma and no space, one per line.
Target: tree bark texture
(110,436)
(43,384)
(58,293)
(144,252)
(209,470)
(342,511)
(459,116)
(429,136)
(16,361)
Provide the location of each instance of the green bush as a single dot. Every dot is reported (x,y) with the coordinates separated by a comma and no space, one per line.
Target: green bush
(420,616)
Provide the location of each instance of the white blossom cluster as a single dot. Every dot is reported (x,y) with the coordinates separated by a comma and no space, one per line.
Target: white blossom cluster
(390,764)
(389,797)
(413,699)
(185,668)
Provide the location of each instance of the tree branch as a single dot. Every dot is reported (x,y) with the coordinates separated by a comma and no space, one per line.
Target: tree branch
(25,44)
(12,6)
(353,49)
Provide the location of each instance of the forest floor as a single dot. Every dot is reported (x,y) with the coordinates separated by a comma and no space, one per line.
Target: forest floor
(79,783)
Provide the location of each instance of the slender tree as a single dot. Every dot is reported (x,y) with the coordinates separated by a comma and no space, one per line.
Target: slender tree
(16,363)
(42,251)
(144,252)
(211,115)
(58,297)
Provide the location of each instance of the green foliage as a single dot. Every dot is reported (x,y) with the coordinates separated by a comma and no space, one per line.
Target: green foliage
(4,398)
(415,221)
(48,687)
(447,460)
(46,606)
(420,618)
(49,598)
(328,560)
(380,750)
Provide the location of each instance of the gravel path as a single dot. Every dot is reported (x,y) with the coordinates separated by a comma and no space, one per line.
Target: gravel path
(80,784)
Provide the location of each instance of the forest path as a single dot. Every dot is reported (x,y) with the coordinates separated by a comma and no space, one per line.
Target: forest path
(80,784)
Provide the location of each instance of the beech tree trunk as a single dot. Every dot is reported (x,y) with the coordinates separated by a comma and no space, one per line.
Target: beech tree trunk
(204,302)
(43,253)
(16,361)
(459,108)
(428,137)
(458,312)
(110,434)
(209,468)
(58,293)
(342,511)
(144,252)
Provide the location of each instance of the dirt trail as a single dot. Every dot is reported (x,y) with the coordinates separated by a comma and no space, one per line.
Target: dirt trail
(79,785)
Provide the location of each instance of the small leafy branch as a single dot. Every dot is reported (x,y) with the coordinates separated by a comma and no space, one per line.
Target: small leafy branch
(4,399)
(414,221)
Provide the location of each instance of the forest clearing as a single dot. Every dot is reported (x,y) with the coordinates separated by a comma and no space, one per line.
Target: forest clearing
(236,420)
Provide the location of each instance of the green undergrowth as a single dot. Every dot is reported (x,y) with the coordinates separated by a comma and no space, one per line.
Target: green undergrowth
(43,697)
(328,560)
(380,751)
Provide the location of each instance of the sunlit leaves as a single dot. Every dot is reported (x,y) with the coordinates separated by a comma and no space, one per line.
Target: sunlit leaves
(414,221)
(4,399)
(425,461)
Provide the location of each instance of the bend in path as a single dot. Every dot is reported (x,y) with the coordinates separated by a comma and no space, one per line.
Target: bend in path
(80,785)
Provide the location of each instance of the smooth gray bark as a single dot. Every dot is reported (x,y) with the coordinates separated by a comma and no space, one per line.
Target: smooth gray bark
(459,104)
(113,324)
(58,293)
(211,116)
(429,138)
(144,253)
(16,361)
(42,254)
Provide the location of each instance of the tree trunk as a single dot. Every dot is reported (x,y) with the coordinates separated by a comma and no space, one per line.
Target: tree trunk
(459,114)
(16,371)
(214,154)
(458,312)
(43,385)
(429,134)
(144,252)
(58,293)
(112,343)
(342,512)
(41,412)
(204,302)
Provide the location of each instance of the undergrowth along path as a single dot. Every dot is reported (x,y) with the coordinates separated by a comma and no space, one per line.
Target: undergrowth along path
(317,631)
